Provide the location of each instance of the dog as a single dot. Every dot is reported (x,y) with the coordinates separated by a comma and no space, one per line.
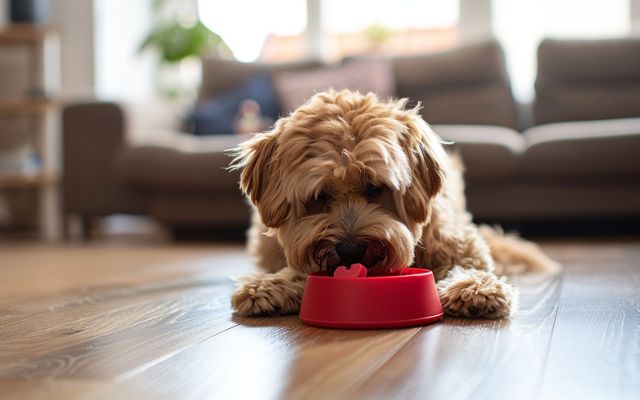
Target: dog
(349,178)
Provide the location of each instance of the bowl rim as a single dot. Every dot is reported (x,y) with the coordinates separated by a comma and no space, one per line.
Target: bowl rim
(420,272)
(375,324)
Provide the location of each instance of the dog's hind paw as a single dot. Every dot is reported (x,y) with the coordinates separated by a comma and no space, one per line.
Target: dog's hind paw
(279,293)
(476,294)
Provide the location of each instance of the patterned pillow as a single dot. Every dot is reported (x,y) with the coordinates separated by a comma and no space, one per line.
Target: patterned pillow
(295,87)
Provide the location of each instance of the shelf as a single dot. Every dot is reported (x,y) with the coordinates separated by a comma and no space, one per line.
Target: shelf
(41,43)
(22,107)
(25,33)
(26,180)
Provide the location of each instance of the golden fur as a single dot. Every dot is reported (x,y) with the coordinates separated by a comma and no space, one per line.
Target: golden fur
(347,166)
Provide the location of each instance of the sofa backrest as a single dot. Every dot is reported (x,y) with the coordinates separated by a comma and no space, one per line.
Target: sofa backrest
(587,80)
(221,75)
(467,85)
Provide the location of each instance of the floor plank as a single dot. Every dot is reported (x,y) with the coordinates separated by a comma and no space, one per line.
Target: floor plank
(113,343)
(106,321)
(110,329)
(461,359)
(48,389)
(274,358)
(595,350)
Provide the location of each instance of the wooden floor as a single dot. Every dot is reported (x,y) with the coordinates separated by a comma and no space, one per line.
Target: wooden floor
(153,321)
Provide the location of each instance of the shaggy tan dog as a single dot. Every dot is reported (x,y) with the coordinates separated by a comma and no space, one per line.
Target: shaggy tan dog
(349,178)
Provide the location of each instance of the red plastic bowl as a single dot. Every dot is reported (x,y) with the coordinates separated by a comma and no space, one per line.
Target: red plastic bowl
(373,302)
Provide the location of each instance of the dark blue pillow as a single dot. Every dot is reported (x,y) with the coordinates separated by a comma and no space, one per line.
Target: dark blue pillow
(217,116)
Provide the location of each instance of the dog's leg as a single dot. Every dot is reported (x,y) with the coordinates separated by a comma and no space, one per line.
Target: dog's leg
(463,267)
(266,251)
(468,292)
(267,294)
(513,255)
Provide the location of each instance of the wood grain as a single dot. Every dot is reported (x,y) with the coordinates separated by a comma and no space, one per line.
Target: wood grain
(108,321)
(595,350)
(276,358)
(47,389)
(462,358)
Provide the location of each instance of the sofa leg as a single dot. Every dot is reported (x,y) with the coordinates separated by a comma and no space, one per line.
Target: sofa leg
(86,227)
(66,227)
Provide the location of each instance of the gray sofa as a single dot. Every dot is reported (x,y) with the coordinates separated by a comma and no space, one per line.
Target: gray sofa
(580,160)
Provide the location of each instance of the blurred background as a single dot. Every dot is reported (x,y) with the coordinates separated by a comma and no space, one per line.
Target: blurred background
(114,107)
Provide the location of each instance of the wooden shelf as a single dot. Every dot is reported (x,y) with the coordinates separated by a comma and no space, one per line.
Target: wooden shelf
(25,33)
(42,46)
(26,180)
(25,107)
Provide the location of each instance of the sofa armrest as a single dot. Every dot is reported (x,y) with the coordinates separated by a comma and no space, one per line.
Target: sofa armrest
(93,136)
(489,153)
(153,122)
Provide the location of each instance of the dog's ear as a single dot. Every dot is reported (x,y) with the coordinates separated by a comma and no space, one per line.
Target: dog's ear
(260,177)
(427,160)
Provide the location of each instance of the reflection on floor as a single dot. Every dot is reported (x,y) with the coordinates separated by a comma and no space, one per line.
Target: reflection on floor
(132,319)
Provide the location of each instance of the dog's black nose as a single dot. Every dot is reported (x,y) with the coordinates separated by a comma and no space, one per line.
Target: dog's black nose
(351,251)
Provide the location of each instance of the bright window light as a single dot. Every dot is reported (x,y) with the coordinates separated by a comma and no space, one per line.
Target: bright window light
(520,25)
(340,16)
(245,25)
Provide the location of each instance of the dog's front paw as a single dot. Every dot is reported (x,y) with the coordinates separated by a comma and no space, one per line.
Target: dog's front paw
(476,294)
(268,294)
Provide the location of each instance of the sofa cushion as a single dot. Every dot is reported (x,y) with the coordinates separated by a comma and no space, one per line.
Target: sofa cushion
(476,105)
(195,209)
(489,153)
(587,80)
(574,103)
(191,164)
(295,87)
(468,85)
(587,149)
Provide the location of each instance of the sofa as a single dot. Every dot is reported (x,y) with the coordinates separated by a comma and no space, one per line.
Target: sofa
(578,158)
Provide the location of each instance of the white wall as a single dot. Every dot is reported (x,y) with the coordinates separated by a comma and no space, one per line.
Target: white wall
(475,20)
(74,19)
(634,13)
(122,73)
(4,15)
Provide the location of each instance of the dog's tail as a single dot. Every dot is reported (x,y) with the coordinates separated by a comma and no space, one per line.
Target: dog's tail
(514,255)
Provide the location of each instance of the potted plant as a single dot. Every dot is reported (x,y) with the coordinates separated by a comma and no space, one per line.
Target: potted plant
(180,39)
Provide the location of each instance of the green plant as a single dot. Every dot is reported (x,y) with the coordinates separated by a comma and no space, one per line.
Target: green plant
(179,34)
(175,42)
(179,39)
(378,34)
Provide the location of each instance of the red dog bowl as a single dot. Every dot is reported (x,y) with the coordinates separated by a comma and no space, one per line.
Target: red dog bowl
(355,302)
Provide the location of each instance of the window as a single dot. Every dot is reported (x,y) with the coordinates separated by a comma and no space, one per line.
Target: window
(250,27)
(520,25)
(396,27)
(275,31)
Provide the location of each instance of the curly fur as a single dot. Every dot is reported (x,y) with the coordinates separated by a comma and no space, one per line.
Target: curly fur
(347,166)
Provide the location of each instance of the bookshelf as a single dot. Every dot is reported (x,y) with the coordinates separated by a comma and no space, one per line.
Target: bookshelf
(37,105)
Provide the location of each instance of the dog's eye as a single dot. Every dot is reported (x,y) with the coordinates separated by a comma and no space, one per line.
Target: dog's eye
(372,191)
(323,197)
(318,204)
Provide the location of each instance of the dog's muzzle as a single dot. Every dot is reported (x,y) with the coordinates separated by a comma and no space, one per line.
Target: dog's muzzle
(351,251)
(372,253)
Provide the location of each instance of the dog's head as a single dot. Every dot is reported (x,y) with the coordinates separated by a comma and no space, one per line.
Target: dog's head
(345,178)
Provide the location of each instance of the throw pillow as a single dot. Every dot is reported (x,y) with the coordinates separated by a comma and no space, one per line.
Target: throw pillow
(372,75)
(220,114)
